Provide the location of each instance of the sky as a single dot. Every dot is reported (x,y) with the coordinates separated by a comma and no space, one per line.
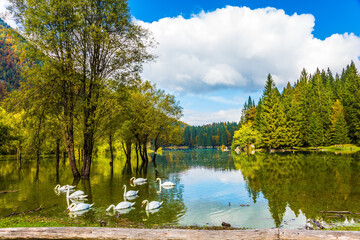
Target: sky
(213,54)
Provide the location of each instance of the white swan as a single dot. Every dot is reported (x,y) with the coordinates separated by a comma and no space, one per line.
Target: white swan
(121,205)
(151,205)
(138,181)
(165,184)
(63,188)
(77,195)
(130,192)
(78,207)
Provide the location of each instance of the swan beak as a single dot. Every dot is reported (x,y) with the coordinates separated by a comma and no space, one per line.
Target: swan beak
(67,210)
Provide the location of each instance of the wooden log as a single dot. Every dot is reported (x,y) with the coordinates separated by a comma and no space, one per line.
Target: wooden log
(28,211)
(339,212)
(8,191)
(317,223)
(125,233)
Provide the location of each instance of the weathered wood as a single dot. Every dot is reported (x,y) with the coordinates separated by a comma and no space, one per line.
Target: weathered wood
(8,191)
(340,212)
(317,223)
(129,233)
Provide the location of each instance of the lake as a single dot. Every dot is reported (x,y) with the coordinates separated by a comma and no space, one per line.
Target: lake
(258,191)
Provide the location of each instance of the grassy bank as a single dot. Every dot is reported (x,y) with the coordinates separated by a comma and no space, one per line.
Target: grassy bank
(338,149)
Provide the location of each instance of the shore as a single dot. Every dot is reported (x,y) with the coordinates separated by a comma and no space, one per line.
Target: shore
(131,233)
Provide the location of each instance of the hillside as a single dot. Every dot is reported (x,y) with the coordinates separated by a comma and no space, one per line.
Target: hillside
(10,44)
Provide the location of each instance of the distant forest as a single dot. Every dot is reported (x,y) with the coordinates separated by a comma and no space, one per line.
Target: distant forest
(211,135)
(10,64)
(319,110)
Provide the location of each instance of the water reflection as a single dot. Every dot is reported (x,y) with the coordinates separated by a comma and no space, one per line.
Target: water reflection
(257,191)
(307,184)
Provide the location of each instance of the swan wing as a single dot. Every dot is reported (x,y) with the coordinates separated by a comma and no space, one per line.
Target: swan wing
(168,184)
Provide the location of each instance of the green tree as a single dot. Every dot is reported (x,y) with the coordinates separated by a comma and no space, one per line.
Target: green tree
(83,47)
(272,125)
(339,128)
(246,136)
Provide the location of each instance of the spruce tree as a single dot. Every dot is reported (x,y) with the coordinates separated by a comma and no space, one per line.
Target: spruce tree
(272,125)
(339,128)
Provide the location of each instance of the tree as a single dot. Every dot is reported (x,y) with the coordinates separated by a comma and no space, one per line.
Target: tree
(339,128)
(83,47)
(246,136)
(272,125)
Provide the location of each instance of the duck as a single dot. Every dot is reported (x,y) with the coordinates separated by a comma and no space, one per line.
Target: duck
(165,184)
(121,205)
(130,192)
(79,207)
(151,205)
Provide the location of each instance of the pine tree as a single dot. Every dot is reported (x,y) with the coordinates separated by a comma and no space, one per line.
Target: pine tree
(351,95)
(339,128)
(291,110)
(272,125)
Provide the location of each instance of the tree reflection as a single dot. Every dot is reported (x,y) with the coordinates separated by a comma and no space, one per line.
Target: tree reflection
(304,182)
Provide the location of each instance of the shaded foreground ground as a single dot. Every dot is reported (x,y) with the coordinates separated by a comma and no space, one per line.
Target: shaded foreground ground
(130,233)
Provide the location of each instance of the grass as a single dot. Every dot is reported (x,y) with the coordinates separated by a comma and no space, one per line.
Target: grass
(41,221)
(344,228)
(338,149)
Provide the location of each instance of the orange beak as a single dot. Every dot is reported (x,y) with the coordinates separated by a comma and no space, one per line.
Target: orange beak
(67,210)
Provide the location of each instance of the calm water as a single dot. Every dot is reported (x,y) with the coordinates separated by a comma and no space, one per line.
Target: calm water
(260,191)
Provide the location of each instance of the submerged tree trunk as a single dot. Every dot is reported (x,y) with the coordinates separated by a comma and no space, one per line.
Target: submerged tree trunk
(71,151)
(88,150)
(137,157)
(111,150)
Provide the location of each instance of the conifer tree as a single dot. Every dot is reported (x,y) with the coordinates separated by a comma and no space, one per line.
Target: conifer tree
(339,128)
(351,95)
(272,125)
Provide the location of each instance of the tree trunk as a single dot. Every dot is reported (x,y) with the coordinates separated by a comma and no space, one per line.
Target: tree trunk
(137,157)
(88,149)
(71,150)
(111,150)
(57,151)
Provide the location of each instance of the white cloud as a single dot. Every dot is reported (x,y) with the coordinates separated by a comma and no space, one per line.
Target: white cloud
(237,47)
(5,14)
(197,118)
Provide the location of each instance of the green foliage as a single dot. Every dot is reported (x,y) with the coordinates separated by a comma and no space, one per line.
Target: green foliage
(317,110)
(246,136)
(211,135)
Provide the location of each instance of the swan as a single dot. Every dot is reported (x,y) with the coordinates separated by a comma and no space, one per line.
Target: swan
(130,192)
(78,194)
(151,205)
(63,188)
(165,184)
(121,205)
(138,181)
(79,207)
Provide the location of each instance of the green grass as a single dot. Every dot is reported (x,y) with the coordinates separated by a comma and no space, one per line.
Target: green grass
(344,228)
(39,221)
(346,148)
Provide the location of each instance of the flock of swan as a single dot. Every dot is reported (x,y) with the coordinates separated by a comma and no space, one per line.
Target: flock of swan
(78,197)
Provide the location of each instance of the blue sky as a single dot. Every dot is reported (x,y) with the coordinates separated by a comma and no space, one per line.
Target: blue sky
(331,16)
(214,54)
(212,83)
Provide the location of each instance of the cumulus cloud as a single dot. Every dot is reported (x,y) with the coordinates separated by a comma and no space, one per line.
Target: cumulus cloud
(236,47)
(197,118)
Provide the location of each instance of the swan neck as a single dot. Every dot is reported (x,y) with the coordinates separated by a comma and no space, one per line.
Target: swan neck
(125,190)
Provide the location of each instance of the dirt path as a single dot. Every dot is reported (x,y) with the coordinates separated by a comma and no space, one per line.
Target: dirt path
(130,233)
